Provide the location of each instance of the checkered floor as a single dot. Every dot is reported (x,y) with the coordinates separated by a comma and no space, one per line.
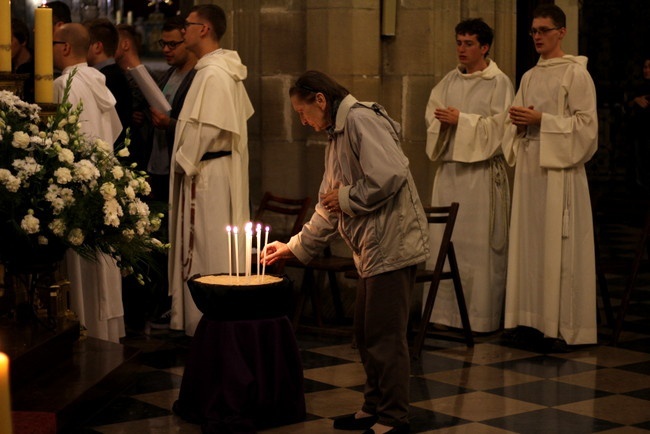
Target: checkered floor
(492,388)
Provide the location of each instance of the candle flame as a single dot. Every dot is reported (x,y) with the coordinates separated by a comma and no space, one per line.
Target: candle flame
(235,229)
(228,228)
(267,229)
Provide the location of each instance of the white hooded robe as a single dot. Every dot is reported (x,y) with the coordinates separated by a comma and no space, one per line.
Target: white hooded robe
(213,119)
(551,283)
(472,172)
(96,287)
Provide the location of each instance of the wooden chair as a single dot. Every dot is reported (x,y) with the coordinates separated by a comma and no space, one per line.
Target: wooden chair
(309,288)
(622,239)
(442,215)
(282,208)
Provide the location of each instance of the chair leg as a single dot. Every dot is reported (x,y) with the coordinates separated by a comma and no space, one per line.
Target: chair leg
(625,303)
(426,316)
(336,296)
(604,295)
(300,302)
(460,296)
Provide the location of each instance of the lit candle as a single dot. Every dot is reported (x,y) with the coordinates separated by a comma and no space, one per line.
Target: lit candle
(5,401)
(266,241)
(259,247)
(235,233)
(43,58)
(118,16)
(249,247)
(5,36)
(129,18)
(229,230)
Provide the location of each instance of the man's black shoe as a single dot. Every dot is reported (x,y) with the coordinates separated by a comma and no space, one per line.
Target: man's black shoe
(349,422)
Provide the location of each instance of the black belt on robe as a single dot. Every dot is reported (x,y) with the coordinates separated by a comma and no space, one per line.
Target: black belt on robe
(212,155)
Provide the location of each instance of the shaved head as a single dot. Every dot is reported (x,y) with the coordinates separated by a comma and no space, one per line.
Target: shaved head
(77,36)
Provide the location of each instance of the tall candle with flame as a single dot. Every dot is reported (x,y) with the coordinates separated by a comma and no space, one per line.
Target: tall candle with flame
(5,36)
(43,55)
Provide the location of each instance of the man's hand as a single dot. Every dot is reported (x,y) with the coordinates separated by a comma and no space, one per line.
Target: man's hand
(524,116)
(641,101)
(159,119)
(447,116)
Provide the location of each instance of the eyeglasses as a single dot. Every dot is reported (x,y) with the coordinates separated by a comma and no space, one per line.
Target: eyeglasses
(542,30)
(58,42)
(190,23)
(171,44)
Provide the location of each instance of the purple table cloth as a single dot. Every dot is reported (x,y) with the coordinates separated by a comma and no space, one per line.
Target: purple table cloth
(242,376)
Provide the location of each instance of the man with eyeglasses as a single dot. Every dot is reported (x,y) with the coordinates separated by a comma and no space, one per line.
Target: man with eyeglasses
(96,287)
(465,116)
(159,141)
(551,132)
(209,166)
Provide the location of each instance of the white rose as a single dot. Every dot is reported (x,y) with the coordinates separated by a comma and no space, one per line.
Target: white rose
(72,119)
(117,172)
(30,224)
(21,140)
(57,227)
(60,136)
(43,241)
(76,237)
(66,156)
(124,152)
(63,175)
(103,145)
(108,190)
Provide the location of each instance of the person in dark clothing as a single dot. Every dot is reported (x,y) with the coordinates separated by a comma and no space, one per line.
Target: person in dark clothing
(22,61)
(638,109)
(101,55)
(174,83)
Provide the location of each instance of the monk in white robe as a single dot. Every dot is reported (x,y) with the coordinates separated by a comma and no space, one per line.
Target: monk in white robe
(472,171)
(209,176)
(96,287)
(551,133)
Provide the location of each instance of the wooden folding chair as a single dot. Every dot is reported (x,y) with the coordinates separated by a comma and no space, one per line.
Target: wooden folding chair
(442,215)
(614,224)
(277,211)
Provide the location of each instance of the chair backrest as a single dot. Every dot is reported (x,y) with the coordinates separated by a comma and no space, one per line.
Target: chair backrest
(443,215)
(286,207)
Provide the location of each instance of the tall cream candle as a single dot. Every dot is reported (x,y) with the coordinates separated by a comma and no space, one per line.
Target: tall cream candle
(5,401)
(5,36)
(43,56)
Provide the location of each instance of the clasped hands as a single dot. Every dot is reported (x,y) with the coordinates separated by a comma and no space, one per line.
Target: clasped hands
(524,116)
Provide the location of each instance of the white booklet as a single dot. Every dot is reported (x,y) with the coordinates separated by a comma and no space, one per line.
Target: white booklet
(150,89)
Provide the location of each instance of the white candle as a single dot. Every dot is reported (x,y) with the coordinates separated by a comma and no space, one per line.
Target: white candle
(259,247)
(118,17)
(235,232)
(266,241)
(229,230)
(249,247)
(5,401)
(129,18)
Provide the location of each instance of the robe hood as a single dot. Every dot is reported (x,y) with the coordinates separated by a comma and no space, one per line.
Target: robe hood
(488,73)
(228,60)
(96,82)
(567,58)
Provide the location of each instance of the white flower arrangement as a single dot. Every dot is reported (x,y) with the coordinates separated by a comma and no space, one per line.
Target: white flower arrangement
(60,189)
